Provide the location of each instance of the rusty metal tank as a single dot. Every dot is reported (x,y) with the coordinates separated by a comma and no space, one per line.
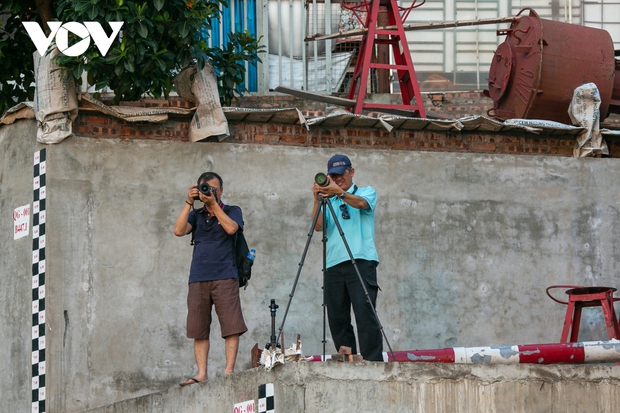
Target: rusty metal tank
(535,71)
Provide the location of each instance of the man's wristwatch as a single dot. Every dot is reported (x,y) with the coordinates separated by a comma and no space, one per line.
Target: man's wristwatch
(341,196)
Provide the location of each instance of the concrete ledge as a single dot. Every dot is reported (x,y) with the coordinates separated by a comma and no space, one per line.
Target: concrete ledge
(398,387)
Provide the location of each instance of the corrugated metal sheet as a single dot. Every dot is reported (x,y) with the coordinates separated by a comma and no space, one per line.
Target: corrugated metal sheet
(339,118)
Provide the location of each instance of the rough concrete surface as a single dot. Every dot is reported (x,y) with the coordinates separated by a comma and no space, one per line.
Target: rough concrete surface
(468,243)
(369,387)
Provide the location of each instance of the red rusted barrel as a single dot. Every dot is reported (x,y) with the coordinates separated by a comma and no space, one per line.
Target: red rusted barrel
(535,71)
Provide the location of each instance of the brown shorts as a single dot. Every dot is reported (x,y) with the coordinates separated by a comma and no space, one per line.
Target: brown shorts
(224,295)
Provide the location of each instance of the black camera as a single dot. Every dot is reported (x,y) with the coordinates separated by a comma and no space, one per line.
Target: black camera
(321,179)
(205,188)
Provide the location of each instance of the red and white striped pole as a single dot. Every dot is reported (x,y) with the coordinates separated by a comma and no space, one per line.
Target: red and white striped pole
(578,352)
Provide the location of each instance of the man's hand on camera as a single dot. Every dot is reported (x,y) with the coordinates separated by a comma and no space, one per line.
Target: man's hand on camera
(316,190)
(208,199)
(192,194)
(331,189)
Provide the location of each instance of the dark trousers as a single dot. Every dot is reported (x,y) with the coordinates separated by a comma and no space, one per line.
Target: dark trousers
(343,290)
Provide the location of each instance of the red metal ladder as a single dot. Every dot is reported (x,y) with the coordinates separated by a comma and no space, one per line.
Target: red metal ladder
(394,36)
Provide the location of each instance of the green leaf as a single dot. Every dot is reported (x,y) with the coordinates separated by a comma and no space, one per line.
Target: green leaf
(184,30)
(158,4)
(143,30)
(93,12)
(129,66)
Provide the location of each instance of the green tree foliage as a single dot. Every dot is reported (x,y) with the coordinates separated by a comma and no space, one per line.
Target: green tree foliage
(229,64)
(16,67)
(158,39)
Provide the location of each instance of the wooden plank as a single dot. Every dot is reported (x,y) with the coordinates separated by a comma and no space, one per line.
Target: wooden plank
(348,103)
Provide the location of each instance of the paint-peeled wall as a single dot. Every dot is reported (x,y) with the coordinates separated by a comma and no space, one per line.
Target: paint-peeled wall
(468,244)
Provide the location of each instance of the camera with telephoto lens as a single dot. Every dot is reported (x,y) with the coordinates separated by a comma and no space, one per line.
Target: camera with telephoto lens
(321,179)
(205,188)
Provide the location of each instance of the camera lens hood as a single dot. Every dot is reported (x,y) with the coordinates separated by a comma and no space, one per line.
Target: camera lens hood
(321,179)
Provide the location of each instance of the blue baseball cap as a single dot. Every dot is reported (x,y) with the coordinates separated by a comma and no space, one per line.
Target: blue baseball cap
(338,164)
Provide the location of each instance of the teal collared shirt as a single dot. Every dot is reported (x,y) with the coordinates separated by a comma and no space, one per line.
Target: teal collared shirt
(359,230)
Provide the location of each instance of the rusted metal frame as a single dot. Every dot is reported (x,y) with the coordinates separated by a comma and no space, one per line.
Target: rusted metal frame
(412,27)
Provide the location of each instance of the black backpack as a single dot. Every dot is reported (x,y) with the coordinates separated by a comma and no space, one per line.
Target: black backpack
(242,262)
(240,254)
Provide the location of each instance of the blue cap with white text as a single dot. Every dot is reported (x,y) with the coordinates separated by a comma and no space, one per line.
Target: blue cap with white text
(338,164)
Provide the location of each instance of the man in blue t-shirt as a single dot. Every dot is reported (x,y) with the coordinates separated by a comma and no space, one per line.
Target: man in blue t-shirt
(213,276)
(355,211)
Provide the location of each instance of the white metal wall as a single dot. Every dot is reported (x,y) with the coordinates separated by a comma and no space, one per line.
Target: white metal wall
(603,15)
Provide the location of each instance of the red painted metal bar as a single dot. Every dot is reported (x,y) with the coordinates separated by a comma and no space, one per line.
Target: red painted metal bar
(551,353)
(444,355)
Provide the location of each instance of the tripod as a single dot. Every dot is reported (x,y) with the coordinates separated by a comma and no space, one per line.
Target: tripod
(324,205)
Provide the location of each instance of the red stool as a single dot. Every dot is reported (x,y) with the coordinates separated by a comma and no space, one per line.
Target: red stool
(580,297)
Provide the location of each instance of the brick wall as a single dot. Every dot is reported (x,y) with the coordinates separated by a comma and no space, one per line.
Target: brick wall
(514,143)
(448,105)
(98,125)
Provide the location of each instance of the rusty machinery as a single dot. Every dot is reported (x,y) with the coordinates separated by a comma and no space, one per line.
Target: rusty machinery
(535,71)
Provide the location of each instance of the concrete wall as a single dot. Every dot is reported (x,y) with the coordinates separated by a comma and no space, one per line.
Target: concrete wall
(406,387)
(468,243)
(17,146)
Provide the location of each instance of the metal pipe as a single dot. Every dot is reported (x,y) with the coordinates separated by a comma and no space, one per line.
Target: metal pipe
(574,353)
(410,27)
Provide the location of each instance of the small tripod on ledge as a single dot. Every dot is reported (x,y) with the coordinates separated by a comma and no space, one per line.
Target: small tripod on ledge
(273,343)
(323,207)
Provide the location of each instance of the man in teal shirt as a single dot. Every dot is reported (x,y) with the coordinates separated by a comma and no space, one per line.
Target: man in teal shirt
(355,212)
